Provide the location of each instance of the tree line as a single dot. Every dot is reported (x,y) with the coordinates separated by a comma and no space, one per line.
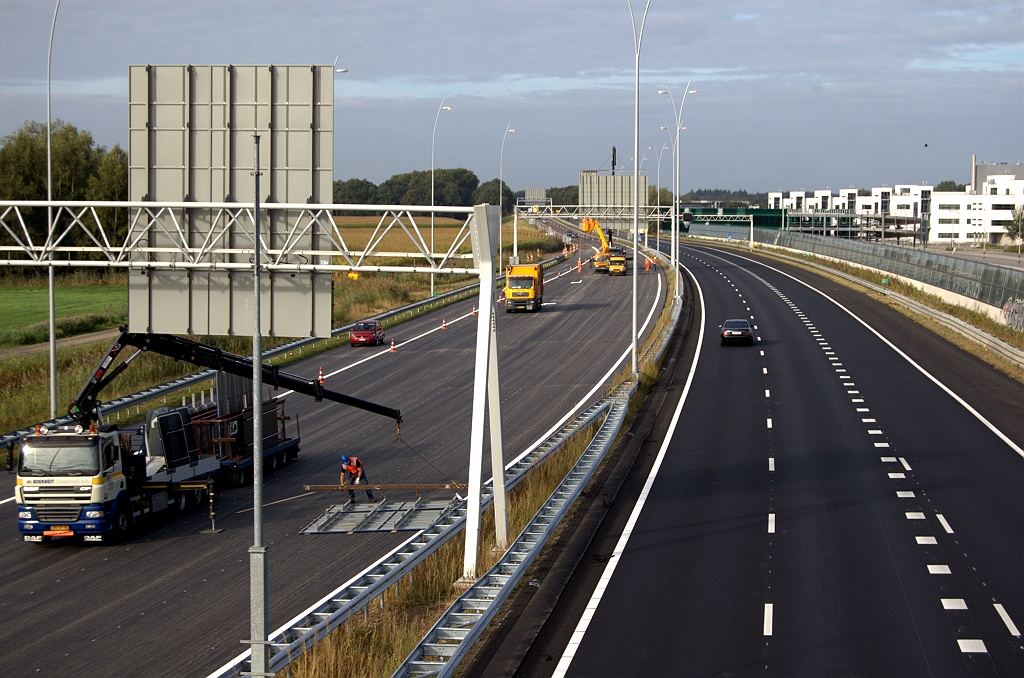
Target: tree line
(457,187)
(81,169)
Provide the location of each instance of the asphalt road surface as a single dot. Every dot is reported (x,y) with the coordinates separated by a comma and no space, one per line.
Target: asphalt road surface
(172,602)
(823,507)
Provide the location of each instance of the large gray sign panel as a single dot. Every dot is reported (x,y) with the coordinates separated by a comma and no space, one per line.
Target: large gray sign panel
(602,188)
(191,140)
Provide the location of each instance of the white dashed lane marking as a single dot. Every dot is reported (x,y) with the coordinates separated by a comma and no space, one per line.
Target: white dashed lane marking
(968,645)
(954,604)
(927,541)
(945,525)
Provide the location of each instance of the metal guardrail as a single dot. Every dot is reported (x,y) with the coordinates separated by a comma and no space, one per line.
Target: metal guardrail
(298,635)
(147,394)
(992,285)
(444,646)
(994,344)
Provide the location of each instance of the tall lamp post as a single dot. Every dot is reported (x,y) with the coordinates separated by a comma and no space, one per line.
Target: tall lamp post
(440,108)
(660,152)
(49,229)
(501,186)
(637,40)
(678,115)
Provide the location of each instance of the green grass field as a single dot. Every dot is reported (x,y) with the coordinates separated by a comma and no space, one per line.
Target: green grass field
(24,306)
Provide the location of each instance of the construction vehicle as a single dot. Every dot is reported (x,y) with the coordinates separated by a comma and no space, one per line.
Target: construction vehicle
(617,261)
(601,260)
(95,481)
(524,288)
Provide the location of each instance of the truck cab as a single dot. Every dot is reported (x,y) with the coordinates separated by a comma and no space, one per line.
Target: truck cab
(524,288)
(617,262)
(70,482)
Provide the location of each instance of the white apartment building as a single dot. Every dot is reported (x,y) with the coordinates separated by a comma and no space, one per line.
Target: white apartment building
(954,217)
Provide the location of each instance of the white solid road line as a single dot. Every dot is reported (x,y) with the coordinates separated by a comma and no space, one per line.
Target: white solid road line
(769,612)
(1002,436)
(945,525)
(1010,626)
(620,546)
(7,500)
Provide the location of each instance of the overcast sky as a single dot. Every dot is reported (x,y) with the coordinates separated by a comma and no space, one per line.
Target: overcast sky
(792,95)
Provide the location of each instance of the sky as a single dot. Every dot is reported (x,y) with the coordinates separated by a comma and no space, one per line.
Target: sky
(791,95)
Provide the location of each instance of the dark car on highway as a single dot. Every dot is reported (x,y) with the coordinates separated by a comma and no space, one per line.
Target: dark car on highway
(366,333)
(738,331)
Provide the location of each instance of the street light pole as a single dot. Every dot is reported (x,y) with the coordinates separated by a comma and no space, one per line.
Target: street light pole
(501,186)
(637,41)
(49,229)
(658,235)
(440,108)
(678,115)
(257,552)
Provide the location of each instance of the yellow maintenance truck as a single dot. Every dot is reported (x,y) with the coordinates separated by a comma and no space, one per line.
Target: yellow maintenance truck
(617,261)
(524,287)
(600,262)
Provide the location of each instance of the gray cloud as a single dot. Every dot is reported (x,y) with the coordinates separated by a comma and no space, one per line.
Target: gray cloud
(791,93)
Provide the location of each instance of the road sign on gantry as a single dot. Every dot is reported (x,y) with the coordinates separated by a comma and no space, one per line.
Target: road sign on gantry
(191,134)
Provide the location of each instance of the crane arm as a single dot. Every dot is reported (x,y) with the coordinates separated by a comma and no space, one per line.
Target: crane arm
(83,408)
(592,225)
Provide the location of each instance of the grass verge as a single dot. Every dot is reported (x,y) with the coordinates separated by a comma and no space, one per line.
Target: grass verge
(373,644)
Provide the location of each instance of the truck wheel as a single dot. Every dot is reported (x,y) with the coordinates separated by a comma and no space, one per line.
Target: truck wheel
(180,502)
(122,520)
(272,462)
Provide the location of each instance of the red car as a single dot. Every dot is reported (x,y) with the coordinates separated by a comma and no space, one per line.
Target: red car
(366,333)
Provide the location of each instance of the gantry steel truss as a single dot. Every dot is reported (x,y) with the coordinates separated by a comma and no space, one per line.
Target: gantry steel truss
(165,236)
(647,212)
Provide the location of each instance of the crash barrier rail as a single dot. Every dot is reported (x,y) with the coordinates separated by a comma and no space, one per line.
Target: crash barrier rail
(441,650)
(147,394)
(298,635)
(301,633)
(994,344)
(447,642)
(992,285)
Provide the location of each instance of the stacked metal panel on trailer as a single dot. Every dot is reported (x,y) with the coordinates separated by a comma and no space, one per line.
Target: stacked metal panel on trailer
(191,134)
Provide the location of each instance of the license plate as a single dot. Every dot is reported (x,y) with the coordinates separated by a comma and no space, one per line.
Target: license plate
(59,533)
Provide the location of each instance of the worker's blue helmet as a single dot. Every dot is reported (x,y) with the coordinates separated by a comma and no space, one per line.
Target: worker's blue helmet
(344,459)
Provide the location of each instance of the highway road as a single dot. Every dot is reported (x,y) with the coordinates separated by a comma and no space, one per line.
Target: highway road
(822,507)
(172,602)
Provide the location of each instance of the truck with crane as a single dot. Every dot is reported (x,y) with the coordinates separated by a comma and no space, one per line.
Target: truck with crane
(94,481)
(602,257)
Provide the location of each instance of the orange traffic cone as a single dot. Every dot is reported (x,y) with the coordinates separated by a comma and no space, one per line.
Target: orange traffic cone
(392,345)
(579,265)
(444,325)
(320,378)
(473,312)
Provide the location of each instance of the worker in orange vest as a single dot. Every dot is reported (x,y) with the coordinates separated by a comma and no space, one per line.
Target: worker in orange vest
(352,472)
